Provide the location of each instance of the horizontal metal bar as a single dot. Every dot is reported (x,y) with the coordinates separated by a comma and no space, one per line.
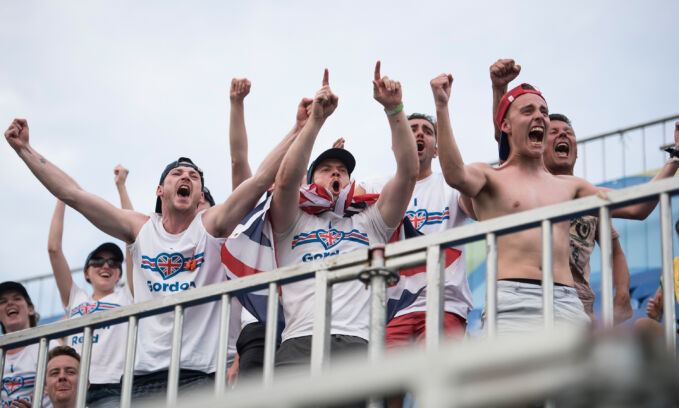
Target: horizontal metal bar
(628,129)
(532,218)
(355,259)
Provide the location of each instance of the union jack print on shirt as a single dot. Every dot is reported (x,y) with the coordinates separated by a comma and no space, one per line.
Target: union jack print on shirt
(169,265)
(422,217)
(87,308)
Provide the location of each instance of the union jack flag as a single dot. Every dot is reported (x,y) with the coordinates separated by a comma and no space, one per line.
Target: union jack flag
(13,384)
(250,249)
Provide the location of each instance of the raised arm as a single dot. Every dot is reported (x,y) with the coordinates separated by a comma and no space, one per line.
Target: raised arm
(642,210)
(469,180)
(221,219)
(285,202)
(126,204)
(60,268)
(238,137)
(395,195)
(122,224)
(502,72)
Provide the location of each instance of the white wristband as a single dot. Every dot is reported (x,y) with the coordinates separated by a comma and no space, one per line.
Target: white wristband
(673,159)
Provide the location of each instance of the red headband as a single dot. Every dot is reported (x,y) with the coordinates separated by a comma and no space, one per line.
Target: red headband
(509,97)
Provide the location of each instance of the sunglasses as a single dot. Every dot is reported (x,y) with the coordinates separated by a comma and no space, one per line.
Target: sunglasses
(99,262)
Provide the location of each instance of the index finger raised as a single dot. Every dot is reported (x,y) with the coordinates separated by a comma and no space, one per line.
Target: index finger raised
(326,77)
(377,70)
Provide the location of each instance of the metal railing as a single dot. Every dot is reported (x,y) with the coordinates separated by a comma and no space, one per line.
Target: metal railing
(369,265)
(594,166)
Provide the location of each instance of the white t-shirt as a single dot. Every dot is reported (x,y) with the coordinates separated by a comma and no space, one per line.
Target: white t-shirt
(18,378)
(434,207)
(161,269)
(318,236)
(108,343)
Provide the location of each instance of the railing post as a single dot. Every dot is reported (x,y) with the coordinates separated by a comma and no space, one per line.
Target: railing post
(130,352)
(85,359)
(436,266)
(491,285)
(378,305)
(606,246)
(547,275)
(39,388)
(223,345)
(175,357)
(624,165)
(378,313)
(320,340)
(270,334)
(668,274)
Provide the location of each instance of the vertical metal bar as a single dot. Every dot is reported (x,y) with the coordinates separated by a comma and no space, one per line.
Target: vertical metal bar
(378,306)
(622,144)
(128,372)
(664,133)
(606,266)
(491,284)
(320,340)
(2,361)
(39,388)
(85,359)
(643,148)
(436,264)
(584,161)
(175,356)
(668,274)
(378,314)
(223,345)
(547,275)
(603,158)
(270,333)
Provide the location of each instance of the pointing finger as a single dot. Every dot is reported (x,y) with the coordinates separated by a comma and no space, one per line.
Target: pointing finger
(325,77)
(377,70)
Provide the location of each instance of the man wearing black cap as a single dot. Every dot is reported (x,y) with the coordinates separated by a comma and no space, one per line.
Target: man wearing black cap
(174,249)
(103,270)
(313,223)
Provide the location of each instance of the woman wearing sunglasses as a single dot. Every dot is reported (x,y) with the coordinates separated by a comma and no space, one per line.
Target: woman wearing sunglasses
(103,270)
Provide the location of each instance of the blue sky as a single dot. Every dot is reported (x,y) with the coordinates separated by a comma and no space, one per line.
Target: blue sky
(142,83)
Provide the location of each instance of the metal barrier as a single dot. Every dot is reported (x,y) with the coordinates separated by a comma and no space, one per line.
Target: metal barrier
(587,144)
(371,266)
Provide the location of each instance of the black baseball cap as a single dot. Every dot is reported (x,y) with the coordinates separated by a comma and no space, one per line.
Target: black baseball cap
(183,162)
(17,287)
(342,155)
(105,247)
(208,196)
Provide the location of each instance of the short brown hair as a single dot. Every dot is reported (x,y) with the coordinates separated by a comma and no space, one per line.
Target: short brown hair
(63,351)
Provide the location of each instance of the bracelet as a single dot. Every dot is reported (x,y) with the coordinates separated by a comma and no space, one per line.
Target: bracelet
(672,151)
(396,110)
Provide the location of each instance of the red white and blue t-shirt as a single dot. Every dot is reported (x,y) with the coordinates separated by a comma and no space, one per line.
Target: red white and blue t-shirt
(313,237)
(434,207)
(108,350)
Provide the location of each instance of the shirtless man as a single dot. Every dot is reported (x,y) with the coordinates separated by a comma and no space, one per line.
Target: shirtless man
(177,231)
(559,155)
(521,183)
(297,231)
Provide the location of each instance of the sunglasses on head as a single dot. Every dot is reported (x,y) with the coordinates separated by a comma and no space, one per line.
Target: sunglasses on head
(99,262)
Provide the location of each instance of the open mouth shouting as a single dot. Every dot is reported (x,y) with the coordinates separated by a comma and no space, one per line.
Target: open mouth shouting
(184,190)
(562,149)
(535,135)
(13,311)
(420,146)
(335,187)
